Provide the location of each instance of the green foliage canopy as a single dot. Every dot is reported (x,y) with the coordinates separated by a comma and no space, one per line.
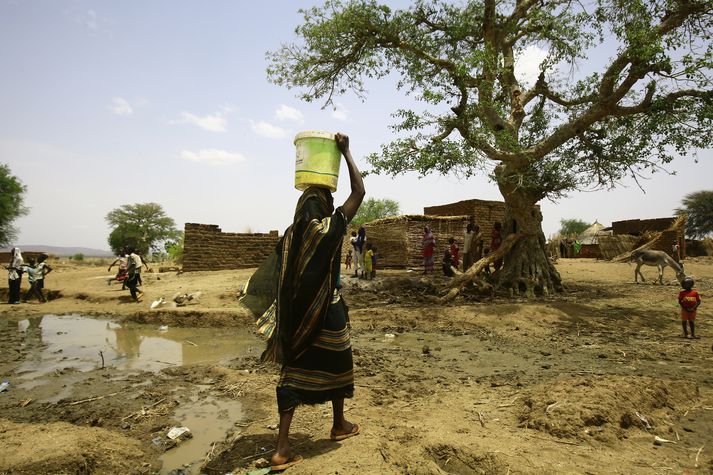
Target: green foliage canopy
(373,209)
(174,249)
(699,208)
(572,226)
(12,192)
(650,101)
(142,226)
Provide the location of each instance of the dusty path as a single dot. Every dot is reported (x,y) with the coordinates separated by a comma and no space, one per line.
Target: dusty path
(580,383)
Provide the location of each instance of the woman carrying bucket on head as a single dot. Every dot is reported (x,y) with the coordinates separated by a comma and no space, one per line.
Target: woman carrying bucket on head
(307,322)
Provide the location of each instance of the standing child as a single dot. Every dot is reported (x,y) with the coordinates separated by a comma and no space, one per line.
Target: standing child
(29,269)
(453,248)
(689,300)
(368,263)
(447,264)
(348,260)
(41,270)
(373,261)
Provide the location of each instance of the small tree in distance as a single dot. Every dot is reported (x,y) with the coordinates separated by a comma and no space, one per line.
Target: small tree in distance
(572,227)
(142,226)
(11,204)
(699,208)
(373,209)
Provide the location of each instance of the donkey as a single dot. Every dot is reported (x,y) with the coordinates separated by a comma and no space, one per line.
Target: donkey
(660,259)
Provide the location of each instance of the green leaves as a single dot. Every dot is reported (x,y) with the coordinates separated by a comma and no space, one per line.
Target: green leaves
(12,192)
(699,208)
(142,226)
(372,209)
(631,114)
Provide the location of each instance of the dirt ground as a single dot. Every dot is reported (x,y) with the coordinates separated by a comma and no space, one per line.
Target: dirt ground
(582,382)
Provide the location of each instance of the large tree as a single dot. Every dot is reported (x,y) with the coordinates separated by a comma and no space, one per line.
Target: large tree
(646,101)
(142,226)
(698,206)
(11,204)
(373,209)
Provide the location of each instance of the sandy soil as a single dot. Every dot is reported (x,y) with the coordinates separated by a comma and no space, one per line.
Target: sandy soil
(581,382)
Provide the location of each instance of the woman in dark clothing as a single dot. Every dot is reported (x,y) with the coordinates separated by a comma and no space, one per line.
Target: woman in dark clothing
(307,323)
(14,278)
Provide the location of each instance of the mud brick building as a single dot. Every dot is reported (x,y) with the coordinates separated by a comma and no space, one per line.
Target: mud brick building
(484,213)
(206,247)
(637,227)
(26,256)
(398,239)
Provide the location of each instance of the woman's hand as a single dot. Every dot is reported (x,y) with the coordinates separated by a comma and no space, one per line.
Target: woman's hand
(342,142)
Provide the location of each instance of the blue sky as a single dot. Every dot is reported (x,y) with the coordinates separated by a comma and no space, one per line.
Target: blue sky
(105,103)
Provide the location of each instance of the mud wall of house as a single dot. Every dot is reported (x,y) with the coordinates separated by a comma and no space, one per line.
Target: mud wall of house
(484,213)
(442,230)
(206,247)
(26,256)
(398,240)
(639,226)
(389,237)
(696,248)
(666,241)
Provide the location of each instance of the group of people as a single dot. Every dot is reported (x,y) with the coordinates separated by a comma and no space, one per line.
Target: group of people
(362,254)
(36,271)
(473,249)
(129,273)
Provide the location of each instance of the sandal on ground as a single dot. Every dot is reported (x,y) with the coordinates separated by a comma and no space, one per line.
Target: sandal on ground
(355,431)
(284,466)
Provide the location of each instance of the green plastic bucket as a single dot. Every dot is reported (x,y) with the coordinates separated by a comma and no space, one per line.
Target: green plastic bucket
(317,161)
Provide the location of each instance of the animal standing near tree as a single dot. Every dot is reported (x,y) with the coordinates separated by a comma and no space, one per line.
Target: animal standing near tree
(659,259)
(646,100)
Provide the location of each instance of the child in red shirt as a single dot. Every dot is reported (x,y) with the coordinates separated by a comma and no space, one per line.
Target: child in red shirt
(689,300)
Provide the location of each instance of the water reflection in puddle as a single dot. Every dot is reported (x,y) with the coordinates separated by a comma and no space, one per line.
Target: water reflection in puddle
(209,419)
(74,341)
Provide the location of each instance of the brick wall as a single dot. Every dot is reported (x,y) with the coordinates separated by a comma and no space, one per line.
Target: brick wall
(26,256)
(398,239)
(637,227)
(206,247)
(484,213)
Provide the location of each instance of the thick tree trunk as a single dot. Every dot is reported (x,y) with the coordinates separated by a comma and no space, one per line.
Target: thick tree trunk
(527,269)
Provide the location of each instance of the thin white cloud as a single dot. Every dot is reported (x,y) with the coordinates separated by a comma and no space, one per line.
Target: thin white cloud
(211,122)
(527,64)
(120,106)
(89,19)
(265,129)
(339,112)
(213,157)
(287,113)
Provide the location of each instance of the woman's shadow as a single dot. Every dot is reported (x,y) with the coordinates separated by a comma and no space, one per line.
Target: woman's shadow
(246,450)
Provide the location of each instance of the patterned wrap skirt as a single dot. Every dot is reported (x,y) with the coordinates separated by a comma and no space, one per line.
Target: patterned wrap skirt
(325,371)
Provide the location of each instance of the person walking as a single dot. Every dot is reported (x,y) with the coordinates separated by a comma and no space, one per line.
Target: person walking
(134,275)
(307,322)
(14,276)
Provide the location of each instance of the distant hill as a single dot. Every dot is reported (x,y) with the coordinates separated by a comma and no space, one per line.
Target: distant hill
(62,251)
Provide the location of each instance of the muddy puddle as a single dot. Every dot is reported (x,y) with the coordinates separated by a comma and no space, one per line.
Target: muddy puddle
(79,343)
(208,419)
